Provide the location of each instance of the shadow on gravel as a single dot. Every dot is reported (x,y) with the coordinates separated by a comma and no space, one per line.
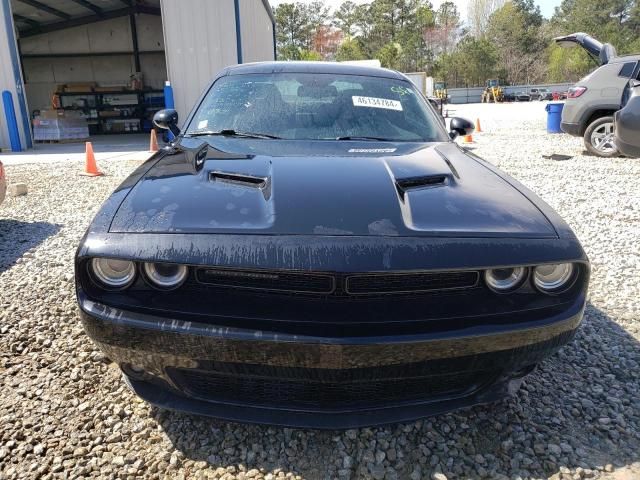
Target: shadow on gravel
(579,409)
(18,237)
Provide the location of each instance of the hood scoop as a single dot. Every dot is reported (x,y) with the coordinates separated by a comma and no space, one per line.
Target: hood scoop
(243,180)
(425,181)
(238,179)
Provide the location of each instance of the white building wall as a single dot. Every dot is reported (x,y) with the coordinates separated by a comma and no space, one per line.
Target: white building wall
(200,39)
(43,74)
(257,32)
(8,75)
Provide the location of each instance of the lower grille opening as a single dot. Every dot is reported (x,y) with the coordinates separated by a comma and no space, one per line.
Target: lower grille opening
(279,392)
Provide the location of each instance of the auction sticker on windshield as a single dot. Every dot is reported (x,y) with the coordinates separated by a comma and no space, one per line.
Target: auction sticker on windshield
(374,102)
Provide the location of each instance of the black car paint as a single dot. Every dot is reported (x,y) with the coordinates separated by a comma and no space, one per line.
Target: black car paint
(322,177)
(330,340)
(627,121)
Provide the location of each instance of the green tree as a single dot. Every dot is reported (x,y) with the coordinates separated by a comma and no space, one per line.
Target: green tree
(290,30)
(350,49)
(346,17)
(610,21)
(479,57)
(296,27)
(447,22)
(516,28)
(310,55)
(390,55)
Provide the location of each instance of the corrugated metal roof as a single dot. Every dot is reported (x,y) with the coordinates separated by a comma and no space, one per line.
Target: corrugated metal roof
(29,15)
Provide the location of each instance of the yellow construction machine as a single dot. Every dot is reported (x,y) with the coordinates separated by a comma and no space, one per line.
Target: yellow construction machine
(493,92)
(440,91)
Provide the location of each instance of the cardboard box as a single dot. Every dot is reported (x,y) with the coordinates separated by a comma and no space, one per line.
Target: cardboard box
(84,87)
(109,113)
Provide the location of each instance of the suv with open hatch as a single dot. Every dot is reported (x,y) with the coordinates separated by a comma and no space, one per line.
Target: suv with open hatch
(591,103)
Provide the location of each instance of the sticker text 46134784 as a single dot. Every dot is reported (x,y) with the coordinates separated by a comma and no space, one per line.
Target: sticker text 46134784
(374,102)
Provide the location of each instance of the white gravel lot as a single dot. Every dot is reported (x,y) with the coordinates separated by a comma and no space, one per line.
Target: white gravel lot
(65,413)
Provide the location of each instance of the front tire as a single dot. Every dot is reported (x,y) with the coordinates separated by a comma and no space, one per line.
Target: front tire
(599,138)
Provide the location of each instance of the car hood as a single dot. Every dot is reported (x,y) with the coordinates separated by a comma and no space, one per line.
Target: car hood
(328,188)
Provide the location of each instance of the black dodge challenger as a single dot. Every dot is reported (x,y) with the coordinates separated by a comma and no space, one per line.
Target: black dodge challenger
(313,249)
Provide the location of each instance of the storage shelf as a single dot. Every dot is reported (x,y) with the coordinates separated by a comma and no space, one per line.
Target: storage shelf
(138,111)
(111,92)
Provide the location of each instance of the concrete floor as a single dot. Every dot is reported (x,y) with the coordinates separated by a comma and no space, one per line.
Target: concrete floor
(105,147)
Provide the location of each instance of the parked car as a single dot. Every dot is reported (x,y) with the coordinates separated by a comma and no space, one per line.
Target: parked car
(540,94)
(522,97)
(591,103)
(3,183)
(627,121)
(315,250)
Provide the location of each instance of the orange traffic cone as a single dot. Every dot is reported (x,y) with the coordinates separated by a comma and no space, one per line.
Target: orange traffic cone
(153,142)
(90,167)
(478,127)
(467,139)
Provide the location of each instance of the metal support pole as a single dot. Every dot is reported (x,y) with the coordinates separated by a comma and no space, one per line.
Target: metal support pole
(134,40)
(236,6)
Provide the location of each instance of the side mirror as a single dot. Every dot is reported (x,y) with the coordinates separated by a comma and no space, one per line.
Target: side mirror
(167,120)
(460,126)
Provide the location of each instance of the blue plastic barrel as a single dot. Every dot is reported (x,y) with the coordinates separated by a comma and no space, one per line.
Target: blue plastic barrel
(554,116)
(11,121)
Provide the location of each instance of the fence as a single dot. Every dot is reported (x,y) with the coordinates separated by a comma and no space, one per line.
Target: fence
(474,94)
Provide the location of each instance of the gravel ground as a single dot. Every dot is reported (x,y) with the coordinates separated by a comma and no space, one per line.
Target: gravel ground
(65,413)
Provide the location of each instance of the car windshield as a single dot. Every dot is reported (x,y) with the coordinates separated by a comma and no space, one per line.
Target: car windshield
(312,106)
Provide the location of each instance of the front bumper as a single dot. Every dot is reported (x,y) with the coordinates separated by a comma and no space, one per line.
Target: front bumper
(303,381)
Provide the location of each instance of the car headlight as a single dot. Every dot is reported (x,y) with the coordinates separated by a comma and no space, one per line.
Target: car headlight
(505,279)
(113,273)
(165,276)
(552,277)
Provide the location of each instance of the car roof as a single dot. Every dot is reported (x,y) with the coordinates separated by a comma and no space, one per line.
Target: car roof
(334,68)
(625,58)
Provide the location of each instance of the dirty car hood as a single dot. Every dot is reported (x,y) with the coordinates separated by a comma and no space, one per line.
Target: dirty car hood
(345,188)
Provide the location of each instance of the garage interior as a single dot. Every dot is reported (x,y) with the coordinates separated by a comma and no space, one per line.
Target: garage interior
(78,69)
(100,60)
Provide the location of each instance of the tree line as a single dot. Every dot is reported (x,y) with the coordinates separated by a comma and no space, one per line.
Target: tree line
(505,39)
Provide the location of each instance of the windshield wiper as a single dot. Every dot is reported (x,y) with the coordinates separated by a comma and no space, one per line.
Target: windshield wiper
(356,137)
(228,132)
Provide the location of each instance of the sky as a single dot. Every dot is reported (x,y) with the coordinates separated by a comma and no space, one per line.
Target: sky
(546,6)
